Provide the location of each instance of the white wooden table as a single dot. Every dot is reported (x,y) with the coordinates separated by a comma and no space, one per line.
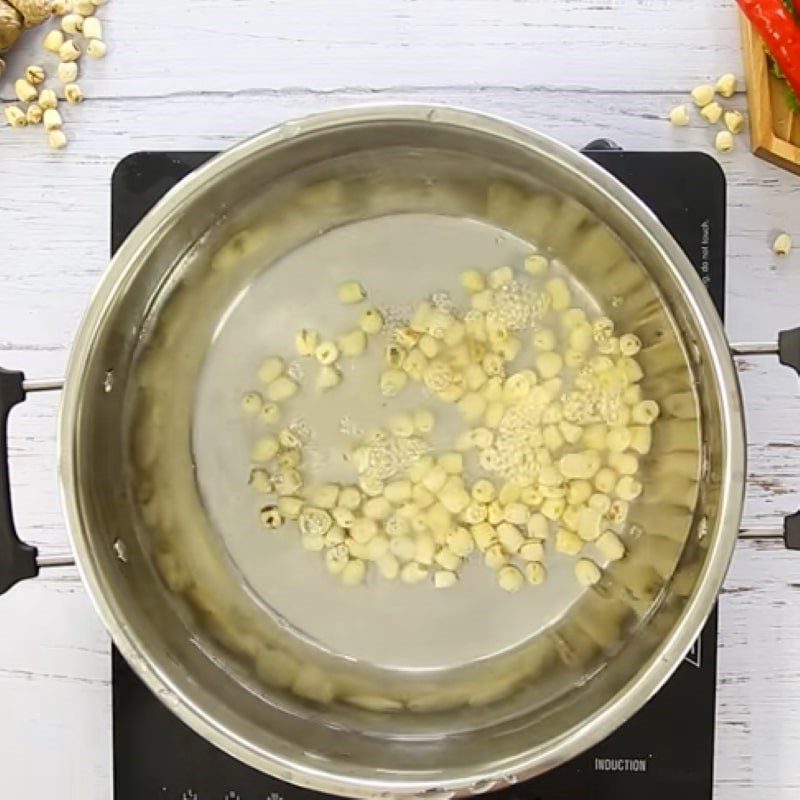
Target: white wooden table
(203,75)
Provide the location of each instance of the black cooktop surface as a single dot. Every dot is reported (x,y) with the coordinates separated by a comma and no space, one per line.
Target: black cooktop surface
(665,752)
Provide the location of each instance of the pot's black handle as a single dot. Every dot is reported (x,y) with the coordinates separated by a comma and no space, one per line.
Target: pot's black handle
(789,356)
(17,559)
(791,531)
(787,349)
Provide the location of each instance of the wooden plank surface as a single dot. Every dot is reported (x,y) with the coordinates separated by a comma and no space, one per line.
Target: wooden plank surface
(203,75)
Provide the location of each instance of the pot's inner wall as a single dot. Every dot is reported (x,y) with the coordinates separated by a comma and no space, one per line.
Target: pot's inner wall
(191,617)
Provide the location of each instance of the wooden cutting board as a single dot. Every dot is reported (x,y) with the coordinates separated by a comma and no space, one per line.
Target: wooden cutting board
(774,128)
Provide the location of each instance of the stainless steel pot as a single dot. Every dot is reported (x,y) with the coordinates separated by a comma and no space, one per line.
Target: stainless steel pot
(381,691)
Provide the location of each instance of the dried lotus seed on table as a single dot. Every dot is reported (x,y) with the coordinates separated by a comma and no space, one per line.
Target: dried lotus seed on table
(679,116)
(35,74)
(53,41)
(782,244)
(70,50)
(702,95)
(96,48)
(57,139)
(15,116)
(712,113)
(724,141)
(734,121)
(726,85)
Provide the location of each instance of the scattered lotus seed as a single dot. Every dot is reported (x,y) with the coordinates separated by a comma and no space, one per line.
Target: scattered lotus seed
(35,75)
(645,412)
(67,72)
(734,121)
(444,579)
(252,402)
(290,506)
(305,342)
(336,559)
(354,572)
(327,378)
(568,542)
(473,281)
(532,550)
(629,344)
(679,116)
(260,481)
(96,49)
(70,51)
(413,572)
(271,369)
(587,572)
(282,388)
(270,413)
(350,497)
(92,28)
(34,114)
(52,120)
(73,94)
(495,556)
(326,353)
(703,95)
(628,488)
(510,578)
(48,99)
(726,85)
(314,521)
(712,113)
(351,292)
(265,449)
(54,40)
(724,141)
(610,545)
(353,343)
(536,264)
(25,91)
(271,517)
(782,244)
(15,116)
(371,321)
(535,573)
(72,24)
(500,277)
(392,382)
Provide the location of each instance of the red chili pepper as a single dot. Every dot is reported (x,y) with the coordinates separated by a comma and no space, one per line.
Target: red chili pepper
(774,22)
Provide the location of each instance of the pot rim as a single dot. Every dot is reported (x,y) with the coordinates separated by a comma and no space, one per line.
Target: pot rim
(186,701)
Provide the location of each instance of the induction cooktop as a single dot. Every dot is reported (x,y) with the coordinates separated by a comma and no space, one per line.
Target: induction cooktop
(664,752)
